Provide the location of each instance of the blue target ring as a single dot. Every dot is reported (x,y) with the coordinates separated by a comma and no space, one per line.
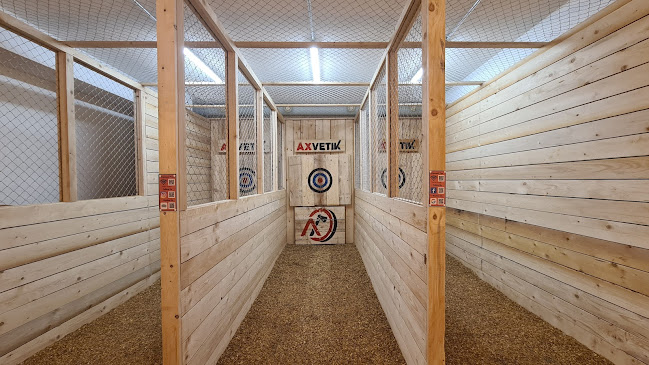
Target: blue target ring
(320,180)
(247,180)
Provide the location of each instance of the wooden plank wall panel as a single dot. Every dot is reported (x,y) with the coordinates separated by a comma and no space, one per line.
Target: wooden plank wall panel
(391,237)
(227,251)
(63,265)
(547,185)
(314,129)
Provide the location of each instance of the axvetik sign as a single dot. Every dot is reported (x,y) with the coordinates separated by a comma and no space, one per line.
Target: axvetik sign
(405,145)
(319,146)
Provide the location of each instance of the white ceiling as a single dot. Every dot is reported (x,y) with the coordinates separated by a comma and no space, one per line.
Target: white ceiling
(329,21)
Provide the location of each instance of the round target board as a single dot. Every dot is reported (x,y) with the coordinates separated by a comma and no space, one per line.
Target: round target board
(247,180)
(320,180)
(402,178)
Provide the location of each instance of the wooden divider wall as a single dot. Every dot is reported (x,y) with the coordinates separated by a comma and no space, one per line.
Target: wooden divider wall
(227,250)
(391,237)
(63,265)
(548,168)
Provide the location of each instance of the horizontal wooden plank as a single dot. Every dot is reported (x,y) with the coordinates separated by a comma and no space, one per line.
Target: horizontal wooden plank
(196,218)
(411,213)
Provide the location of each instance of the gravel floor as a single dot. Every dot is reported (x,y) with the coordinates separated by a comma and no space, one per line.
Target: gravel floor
(318,307)
(484,327)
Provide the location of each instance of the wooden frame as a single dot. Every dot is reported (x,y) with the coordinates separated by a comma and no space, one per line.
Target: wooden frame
(339,45)
(259,119)
(232,110)
(171,113)
(433,15)
(392,124)
(66,120)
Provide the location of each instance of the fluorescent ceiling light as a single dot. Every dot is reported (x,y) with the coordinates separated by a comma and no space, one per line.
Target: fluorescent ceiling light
(202,66)
(417,78)
(315,64)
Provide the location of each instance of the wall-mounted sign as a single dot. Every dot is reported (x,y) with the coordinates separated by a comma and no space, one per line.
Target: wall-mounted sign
(245,147)
(168,200)
(437,188)
(320,146)
(405,145)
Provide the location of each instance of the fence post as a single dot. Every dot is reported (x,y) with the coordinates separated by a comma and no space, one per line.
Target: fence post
(171,113)
(433,125)
(232,110)
(67,135)
(392,121)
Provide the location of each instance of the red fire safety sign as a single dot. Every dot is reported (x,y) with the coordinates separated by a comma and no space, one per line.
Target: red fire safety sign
(168,198)
(437,188)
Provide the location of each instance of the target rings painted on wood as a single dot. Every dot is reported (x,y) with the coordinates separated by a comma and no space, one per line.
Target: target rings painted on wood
(402,178)
(247,180)
(320,180)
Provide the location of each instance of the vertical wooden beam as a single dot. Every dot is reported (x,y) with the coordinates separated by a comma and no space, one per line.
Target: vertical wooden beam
(232,110)
(392,124)
(433,125)
(140,145)
(275,155)
(259,118)
(374,144)
(170,113)
(67,135)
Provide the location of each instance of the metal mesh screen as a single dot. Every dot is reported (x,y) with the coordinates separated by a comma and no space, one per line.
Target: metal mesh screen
(29,165)
(378,126)
(280,155)
(357,154)
(366,168)
(206,127)
(248,148)
(268,150)
(409,147)
(105,136)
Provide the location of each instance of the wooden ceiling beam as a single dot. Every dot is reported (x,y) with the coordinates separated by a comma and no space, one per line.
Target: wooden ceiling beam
(294,45)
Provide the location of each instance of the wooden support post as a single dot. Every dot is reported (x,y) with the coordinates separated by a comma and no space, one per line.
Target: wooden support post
(392,124)
(232,110)
(274,131)
(171,113)
(259,119)
(67,135)
(374,144)
(140,147)
(433,126)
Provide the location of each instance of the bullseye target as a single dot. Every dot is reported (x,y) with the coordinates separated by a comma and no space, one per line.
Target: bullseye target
(247,180)
(402,178)
(320,180)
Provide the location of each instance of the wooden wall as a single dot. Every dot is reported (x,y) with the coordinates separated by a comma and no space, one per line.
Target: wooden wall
(319,129)
(63,265)
(391,237)
(227,250)
(548,169)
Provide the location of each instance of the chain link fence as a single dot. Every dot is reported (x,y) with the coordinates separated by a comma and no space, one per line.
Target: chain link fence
(206,126)
(248,147)
(268,146)
(280,156)
(357,154)
(29,150)
(105,131)
(366,168)
(378,126)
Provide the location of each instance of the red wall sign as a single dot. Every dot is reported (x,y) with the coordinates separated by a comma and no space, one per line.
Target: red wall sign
(168,200)
(437,188)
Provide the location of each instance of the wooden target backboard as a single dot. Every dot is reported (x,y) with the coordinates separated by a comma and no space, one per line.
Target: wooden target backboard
(316,180)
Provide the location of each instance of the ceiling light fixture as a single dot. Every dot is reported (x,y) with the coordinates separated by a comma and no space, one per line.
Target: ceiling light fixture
(202,66)
(417,78)
(315,64)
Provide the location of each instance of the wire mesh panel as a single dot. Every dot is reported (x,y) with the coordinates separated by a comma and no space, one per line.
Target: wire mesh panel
(268,150)
(105,136)
(206,127)
(29,165)
(409,147)
(280,155)
(247,137)
(357,155)
(366,172)
(378,130)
